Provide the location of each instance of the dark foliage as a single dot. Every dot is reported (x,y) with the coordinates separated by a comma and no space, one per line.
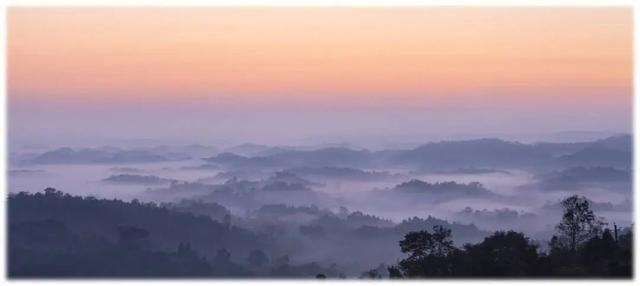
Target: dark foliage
(501,254)
(53,234)
(580,249)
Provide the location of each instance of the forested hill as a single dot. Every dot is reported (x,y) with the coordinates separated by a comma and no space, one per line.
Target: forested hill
(55,234)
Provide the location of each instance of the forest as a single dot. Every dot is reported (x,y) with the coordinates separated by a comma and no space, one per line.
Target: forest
(483,207)
(53,234)
(335,142)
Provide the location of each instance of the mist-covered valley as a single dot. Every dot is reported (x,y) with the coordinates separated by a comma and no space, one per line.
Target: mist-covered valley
(335,209)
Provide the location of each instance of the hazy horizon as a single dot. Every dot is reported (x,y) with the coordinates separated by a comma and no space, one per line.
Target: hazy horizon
(323,133)
(276,77)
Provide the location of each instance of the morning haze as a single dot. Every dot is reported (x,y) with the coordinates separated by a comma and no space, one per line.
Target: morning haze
(320,142)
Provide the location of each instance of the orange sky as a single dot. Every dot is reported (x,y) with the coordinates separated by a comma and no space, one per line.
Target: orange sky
(334,55)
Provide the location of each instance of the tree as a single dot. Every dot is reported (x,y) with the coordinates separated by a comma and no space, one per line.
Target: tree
(430,254)
(394,272)
(422,243)
(501,254)
(578,225)
(580,249)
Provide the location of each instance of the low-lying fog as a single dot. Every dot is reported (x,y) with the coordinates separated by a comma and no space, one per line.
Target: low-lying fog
(490,183)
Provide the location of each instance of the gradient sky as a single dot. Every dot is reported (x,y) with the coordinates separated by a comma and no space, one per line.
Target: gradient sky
(274,75)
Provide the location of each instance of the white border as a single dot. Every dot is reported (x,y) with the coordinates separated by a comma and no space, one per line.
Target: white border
(319,2)
(520,3)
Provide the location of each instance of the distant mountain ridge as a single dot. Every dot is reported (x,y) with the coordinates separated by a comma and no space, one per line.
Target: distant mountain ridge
(88,156)
(478,153)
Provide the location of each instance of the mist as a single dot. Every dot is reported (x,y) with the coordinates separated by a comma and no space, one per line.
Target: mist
(320,193)
(326,142)
(396,126)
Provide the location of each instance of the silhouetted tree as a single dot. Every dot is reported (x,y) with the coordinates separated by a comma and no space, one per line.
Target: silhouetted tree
(53,234)
(430,254)
(580,249)
(501,254)
(394,272)
(578,224)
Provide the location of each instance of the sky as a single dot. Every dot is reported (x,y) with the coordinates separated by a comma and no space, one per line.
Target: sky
(302,75)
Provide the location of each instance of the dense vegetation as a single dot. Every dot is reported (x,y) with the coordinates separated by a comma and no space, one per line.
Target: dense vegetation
(581,248)
(52,234)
